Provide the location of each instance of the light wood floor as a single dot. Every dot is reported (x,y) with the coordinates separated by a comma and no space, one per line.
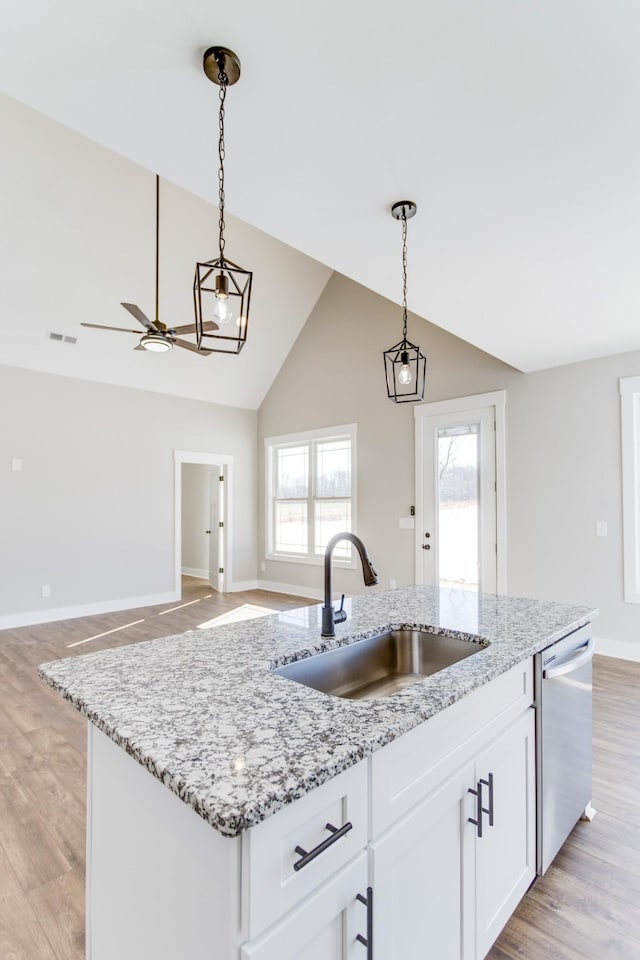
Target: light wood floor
(586,907)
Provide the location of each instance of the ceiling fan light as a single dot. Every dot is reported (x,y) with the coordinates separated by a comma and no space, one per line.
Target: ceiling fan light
(155,343)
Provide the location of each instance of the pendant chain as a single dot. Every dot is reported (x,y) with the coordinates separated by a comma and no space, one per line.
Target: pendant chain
(223,81)
(404,274)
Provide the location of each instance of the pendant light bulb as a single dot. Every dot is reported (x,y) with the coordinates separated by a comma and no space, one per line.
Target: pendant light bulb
(404,374)
(222,309)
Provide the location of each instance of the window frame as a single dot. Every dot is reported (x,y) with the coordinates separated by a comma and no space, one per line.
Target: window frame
(306,437)
(630,443)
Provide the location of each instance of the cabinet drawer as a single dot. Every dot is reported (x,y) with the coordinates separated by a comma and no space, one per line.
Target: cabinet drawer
(325,925)
(269,849)
(405,771)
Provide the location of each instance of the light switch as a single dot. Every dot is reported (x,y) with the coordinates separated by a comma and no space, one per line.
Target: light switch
(601,529)
(16,465)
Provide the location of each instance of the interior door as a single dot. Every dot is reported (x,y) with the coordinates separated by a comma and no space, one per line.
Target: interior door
(457,540)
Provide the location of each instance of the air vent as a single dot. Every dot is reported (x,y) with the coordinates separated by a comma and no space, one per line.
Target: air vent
(61,337)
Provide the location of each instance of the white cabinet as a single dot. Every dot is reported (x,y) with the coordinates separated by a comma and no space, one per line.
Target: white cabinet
(443,886)
(506,852)
(276,879)
(422,878)
(326,925)
(161,882)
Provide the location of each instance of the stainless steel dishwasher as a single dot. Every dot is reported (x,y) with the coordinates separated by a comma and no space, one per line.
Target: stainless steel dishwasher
(563,740)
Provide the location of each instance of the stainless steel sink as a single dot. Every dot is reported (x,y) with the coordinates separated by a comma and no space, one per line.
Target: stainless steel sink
(381,665)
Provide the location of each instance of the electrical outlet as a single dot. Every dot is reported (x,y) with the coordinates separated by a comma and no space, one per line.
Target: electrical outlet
(392,584)
(601,528)
(263,567)
(16,465)
(46,590)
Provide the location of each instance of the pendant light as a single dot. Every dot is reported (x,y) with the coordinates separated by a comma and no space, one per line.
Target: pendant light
(405,365)
(221,289)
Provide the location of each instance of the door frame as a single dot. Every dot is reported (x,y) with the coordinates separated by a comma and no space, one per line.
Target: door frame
(214,460)
(496,399)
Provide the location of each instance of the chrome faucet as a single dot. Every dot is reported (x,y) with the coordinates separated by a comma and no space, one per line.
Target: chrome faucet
(330,616)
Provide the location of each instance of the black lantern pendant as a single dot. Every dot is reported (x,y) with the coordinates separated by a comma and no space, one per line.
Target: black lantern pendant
(221,289)
(405,365)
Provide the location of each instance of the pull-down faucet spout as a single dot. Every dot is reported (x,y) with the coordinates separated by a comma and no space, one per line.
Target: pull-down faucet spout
(330,616)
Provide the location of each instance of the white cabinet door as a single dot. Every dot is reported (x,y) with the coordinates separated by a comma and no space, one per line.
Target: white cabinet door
(423,879)
(506,852)
(325,927)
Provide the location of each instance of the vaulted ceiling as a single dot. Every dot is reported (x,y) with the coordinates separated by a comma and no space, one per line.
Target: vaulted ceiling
(514,126)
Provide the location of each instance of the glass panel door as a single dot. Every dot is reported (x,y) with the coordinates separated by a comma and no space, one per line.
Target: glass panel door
(458,501)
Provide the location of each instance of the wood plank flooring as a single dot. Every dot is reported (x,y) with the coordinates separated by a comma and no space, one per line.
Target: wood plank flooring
(587,906)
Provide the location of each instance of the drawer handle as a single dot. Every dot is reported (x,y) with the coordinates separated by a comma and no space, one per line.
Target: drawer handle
(480,808)
(489,809)
(368,940)
(477,793)
(306,856)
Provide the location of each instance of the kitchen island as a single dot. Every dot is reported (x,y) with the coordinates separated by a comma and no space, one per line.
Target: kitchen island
(267,763)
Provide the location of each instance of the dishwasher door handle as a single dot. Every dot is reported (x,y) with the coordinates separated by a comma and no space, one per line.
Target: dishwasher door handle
(582,656)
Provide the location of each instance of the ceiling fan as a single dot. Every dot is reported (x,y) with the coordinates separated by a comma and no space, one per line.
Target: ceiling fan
(158,337)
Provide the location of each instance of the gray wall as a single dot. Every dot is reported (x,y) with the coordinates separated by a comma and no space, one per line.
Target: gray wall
(92,512)
(563,452)
(334,374)
(563,475)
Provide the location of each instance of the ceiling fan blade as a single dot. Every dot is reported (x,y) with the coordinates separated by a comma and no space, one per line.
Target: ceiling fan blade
(209,326)
(99,326)
(191,346)
(136,312)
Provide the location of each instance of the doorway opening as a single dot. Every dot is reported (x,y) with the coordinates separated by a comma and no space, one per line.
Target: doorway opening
(203,487)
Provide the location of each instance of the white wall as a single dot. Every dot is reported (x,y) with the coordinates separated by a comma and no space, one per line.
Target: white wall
(91,513)
(563,453)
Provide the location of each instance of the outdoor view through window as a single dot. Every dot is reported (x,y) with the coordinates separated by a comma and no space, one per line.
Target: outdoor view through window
(311,500)
(458,540)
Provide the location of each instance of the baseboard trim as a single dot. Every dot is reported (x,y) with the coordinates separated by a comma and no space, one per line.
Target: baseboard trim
(85,610)
(239,585)
(620,649)
(195,572)
(273,586)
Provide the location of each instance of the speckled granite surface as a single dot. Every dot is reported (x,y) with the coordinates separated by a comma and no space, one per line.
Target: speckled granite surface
(203,712)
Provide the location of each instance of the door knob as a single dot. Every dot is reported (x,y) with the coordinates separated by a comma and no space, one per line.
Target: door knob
(207,531)
(426,546)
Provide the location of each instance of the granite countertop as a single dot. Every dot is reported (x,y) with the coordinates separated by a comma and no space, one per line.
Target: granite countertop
(205,715)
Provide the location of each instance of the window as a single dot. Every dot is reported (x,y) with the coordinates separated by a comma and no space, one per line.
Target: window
(310,493)
(630,423)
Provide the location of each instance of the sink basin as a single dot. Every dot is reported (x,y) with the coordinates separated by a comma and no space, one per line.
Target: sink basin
(381,665)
